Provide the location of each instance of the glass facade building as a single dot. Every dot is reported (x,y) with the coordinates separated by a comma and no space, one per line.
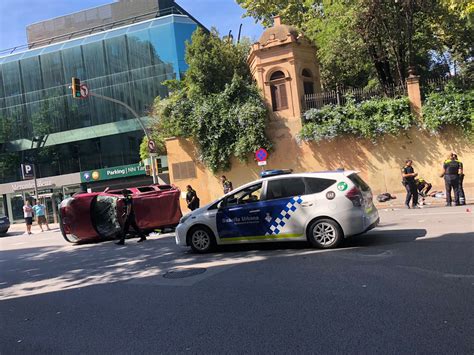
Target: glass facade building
(42,123)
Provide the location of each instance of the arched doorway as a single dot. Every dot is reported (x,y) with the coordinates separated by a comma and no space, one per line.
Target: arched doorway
(278,90)
(308,83)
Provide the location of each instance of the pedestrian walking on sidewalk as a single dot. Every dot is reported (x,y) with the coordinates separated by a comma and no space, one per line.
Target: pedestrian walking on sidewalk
(129,219)
(408,176)
(28,214)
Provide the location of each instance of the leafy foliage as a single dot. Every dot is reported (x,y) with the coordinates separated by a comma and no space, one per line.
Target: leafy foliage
(9,162)
(362,40)
(450,107)
(369,119)
(213,62)
(217,104)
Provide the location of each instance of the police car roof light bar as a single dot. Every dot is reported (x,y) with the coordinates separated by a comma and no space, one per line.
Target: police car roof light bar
(275,172)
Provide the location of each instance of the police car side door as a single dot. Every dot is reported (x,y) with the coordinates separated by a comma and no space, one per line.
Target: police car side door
(285,207)
(240,215)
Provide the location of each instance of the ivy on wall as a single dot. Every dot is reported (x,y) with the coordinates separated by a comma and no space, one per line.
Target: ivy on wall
(450,107)
(223,125)
(369,119)
(372,119)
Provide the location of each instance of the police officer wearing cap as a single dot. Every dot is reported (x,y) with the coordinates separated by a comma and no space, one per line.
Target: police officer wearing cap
(409,175)
(451,171)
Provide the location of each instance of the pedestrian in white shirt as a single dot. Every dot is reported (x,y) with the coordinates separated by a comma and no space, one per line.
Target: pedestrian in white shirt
(28,214)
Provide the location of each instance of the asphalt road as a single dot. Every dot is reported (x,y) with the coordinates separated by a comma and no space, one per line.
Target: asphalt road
(406,287)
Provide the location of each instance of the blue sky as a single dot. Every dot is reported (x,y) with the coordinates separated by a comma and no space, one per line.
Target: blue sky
(15,15)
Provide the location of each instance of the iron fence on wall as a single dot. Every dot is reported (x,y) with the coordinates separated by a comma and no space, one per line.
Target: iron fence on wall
(340,96)
(430,85)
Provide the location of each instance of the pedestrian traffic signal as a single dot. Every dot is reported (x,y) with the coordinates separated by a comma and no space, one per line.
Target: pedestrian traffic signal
(148,170)
(76,87)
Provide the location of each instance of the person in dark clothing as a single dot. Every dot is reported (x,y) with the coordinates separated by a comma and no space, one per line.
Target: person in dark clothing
(409,175)
(423,187)
(226,184)
(191,198)
(462,196)
(451,171)
(129,219)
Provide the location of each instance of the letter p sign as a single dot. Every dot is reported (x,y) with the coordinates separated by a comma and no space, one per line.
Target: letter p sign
(27,171)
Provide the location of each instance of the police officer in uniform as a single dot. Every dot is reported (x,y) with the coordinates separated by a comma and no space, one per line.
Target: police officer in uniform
(451,170)
(462,196)
(409,175)
(226,184)
(129,216)
(191,198)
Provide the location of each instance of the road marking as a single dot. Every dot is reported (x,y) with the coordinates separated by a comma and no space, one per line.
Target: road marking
(436,273)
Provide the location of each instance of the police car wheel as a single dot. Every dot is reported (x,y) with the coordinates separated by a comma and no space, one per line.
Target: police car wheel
(201,239)
(324,234)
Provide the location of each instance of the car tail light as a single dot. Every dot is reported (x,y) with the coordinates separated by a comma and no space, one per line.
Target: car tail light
(355,196)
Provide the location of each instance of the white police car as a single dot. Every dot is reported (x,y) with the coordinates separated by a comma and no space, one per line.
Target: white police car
(322,207)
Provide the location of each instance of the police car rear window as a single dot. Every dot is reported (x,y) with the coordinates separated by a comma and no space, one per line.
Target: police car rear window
(315,185)
(357,180)
(296,186)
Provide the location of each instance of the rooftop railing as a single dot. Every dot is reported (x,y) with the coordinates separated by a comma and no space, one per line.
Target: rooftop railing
(95,29)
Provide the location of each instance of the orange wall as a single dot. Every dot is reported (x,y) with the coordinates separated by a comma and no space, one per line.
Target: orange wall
(379,163)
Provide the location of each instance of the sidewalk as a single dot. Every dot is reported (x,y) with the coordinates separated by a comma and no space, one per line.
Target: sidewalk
(21,227)
(399,202)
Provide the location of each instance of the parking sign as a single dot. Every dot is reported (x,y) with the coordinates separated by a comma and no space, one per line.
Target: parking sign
(27,171)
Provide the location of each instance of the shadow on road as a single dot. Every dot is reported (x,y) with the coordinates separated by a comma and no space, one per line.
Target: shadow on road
(369,282)
(48,269)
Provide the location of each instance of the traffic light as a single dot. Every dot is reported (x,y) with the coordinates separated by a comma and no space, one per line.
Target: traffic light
(76,87)
(148,170)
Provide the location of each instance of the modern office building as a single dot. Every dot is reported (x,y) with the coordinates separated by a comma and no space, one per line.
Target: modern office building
(124,50)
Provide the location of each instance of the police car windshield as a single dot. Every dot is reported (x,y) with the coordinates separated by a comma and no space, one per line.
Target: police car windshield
(247,195)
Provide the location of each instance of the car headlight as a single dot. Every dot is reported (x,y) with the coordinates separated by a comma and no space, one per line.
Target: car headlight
(184,218)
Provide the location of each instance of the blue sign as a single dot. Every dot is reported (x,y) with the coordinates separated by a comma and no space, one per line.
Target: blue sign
(261,154)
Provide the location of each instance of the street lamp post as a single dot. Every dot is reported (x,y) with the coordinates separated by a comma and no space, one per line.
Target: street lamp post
(142,125)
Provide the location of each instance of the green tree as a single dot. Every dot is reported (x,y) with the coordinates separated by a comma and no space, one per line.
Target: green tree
(378,39)
(217,105)
(295,12)
(213,62)
(9,161)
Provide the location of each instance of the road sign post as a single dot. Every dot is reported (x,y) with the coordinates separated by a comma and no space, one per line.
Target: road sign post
(261,156)
(151,146)
(84,91)
(28,172)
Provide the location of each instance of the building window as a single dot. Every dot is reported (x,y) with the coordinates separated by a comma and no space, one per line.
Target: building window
(278,90)
(308,83)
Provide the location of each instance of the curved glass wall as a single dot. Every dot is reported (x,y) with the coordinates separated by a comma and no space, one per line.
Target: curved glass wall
(128,63)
